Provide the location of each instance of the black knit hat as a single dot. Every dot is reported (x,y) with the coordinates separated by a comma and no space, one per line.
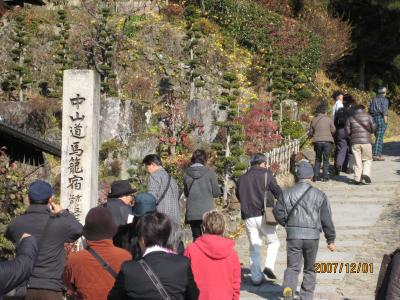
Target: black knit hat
(99,224)
(321,109)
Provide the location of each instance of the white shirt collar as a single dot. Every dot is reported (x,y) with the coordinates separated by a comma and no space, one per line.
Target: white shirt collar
(155,249)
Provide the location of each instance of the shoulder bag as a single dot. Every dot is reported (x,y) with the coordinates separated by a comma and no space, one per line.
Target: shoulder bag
(165,191)
(297,203)
(103,263)
(268,214)
(155,280)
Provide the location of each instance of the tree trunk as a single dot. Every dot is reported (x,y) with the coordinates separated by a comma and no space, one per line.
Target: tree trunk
(226,176)
(361,84)
(203,7)
(192,87)
(21,79)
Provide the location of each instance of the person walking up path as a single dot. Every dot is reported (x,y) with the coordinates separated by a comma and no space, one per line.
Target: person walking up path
(304,211)
(378,108)
(200,187)
(250,191)
(322,130)
(359,128)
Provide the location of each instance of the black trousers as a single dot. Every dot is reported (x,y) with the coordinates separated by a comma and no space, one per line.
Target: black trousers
(297,251)
(197,231)
(322,152)
(341,152)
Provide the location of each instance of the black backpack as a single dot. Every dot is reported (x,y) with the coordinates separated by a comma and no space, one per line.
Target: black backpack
(341,117)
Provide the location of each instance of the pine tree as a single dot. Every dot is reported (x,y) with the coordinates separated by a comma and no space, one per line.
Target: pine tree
(63,54)
(229,147)
(19,80)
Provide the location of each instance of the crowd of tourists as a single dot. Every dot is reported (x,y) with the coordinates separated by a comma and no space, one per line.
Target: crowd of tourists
(349,131)
(131,247)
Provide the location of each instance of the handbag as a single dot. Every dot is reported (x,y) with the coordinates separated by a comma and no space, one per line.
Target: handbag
(155,280)
(20,291)
(268,214)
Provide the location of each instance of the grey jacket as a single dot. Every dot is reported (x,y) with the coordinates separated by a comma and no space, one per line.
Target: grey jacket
(322,129)
(169,205)
(359,127)
(310,217)
(200,188)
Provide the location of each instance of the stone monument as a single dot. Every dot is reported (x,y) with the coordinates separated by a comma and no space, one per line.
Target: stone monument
(80,141)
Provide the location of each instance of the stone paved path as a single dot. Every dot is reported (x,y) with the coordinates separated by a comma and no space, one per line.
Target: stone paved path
(367,220)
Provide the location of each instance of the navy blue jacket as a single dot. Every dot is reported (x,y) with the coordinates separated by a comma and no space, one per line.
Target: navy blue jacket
(17,271)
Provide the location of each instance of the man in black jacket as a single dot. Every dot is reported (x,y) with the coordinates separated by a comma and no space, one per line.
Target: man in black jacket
(15,272)
(304,211)
(250,192)
(173,272)
(52,227)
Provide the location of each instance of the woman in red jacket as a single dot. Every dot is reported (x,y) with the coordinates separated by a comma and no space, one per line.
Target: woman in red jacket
(215,263)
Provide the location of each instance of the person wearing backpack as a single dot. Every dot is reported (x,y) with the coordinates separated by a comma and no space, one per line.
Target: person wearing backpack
(359,128)
(200,188)
(304,211)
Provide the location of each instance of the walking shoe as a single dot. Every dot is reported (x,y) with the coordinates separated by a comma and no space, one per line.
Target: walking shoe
(378,158)
(355,182)
(338,169)
(366,178)
(349,171)
(269,273)
(325,179)
(315,179)
(287,293)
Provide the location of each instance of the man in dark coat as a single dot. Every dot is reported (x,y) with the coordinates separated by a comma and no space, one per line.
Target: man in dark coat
(173,271)
(17,271)
(359,128)
(303,222)
(52,227)
(250,192)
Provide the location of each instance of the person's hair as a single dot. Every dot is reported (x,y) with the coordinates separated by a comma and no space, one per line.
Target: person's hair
(321,109)
(154,229)
(152,159)
(336,94)
(214,223)
(199,156)
(174,237)
(360,106)
(257,159)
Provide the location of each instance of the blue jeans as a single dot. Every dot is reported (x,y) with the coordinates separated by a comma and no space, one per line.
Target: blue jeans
(322,152)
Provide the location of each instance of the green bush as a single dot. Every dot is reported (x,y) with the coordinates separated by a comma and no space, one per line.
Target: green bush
(294,129)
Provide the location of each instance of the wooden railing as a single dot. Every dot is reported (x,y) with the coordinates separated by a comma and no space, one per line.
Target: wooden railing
(281,158)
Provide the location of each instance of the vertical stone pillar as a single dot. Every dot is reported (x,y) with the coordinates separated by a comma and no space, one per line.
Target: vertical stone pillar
(80,141)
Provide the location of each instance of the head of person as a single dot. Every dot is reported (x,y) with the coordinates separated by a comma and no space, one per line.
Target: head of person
(259,160)
(359,108)
(99,224)
(199,156)
(213,223)
(145,203)
(122,190)
(304,171)
(338,95)
(153,230)
(321,109)
(40,192)
(348,100)
(382,91)
(152,163)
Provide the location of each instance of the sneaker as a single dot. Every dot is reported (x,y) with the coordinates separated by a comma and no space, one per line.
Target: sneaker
(366,178)
(338,169)
(325,179)
(287,293)
(355,182)
(315,179)
(269,273)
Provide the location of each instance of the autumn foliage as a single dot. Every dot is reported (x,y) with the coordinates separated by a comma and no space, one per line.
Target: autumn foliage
(261,132)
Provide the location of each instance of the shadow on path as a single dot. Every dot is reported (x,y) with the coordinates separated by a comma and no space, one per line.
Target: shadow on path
(391,149)
(268,289)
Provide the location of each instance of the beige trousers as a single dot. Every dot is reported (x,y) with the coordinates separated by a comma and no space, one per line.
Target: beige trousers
(363,160)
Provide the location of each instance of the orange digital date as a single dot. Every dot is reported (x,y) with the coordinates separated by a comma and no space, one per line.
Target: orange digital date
(340,267)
